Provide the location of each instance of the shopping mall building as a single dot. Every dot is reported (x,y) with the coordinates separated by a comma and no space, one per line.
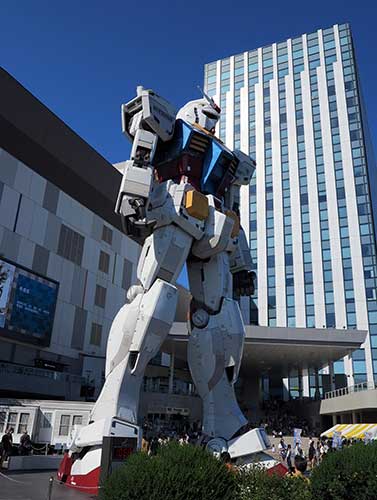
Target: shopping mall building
(65,264)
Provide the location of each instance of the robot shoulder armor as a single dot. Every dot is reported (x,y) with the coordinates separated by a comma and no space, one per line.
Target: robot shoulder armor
(148,111)
(245,168)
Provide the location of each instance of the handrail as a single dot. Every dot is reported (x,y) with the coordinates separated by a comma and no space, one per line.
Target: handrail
(343,391)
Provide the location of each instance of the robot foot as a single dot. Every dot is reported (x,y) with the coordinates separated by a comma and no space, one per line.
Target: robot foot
(82,472)
(252,441)
(92,452)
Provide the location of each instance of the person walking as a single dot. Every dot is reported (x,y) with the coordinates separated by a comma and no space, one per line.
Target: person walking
(6,445)
(311,454)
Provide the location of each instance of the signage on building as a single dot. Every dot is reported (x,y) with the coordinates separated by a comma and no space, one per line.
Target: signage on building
(6,280)
(27,304)
(170,410)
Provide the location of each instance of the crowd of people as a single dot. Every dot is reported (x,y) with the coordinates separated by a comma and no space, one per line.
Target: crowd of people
(151,443)
(314,455)
(280,421)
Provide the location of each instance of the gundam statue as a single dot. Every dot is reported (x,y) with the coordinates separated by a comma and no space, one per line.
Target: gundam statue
(179,197)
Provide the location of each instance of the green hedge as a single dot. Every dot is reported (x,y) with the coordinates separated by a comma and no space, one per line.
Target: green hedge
(256,484)
(191,473)
(347,474)
(175,473)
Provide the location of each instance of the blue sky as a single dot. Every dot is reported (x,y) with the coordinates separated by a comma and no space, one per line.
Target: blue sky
(83,59)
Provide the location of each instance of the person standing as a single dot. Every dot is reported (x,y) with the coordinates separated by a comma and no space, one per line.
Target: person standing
(25,444)
(6,445)
(311,454)
(282,449)
(289,457)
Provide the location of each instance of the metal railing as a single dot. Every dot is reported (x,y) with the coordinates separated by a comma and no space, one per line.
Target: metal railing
(362,386)
(29,371)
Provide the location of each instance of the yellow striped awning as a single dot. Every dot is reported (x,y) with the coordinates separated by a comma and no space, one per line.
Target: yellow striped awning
(350,431)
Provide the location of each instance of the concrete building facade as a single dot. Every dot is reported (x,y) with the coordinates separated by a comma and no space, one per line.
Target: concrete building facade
(297,108)
(65,263)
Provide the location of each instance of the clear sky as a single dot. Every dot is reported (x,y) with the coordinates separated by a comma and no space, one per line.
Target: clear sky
(83,59)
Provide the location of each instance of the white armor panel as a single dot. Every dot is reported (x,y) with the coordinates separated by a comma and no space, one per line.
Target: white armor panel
(245,168)
(167,204)
(240,259)
(164,254)
(142,330)
(210,281)
(149,108)
(217,233)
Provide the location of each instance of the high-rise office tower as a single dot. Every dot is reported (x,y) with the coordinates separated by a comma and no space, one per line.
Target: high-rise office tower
(296,107)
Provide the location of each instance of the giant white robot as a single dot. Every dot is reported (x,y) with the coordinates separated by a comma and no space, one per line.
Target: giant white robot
(179,197)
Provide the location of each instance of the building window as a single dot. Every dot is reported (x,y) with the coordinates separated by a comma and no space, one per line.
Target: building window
(46,419)
(3,417)
(96,334)
(100,297)
(64,425)
(77,420)
(22,426)
(104,262)
(12,420)
(107,234)
(71,245)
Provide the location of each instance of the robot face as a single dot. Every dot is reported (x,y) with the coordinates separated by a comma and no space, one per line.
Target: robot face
(203,112)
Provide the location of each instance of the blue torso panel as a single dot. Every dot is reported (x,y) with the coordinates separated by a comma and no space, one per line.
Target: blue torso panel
(204,159)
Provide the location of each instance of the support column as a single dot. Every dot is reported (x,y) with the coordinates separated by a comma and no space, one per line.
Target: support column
(171,372)
(285,389)
(332,375)
(305,383)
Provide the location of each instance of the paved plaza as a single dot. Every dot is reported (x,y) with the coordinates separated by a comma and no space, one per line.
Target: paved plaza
(34,486)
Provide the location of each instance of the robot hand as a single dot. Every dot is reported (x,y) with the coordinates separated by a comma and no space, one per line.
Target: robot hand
(243,283)
(138,205)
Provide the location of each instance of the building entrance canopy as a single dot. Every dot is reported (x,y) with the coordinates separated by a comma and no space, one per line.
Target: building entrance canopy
(277,350)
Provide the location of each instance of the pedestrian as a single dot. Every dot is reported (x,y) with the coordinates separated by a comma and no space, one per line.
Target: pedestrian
(288,457)
(25,444)
(225,458)
(311,454)
(144,445)
(6,445)
(282,449)
(300,467)
(318,452)
(153,446)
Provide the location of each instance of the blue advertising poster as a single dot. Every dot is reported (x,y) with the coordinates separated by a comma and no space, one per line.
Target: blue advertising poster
(33,307)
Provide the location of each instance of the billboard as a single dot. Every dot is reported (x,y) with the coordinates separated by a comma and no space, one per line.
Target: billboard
(27,304)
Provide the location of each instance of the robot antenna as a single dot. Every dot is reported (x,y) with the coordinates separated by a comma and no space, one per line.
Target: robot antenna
(209,99)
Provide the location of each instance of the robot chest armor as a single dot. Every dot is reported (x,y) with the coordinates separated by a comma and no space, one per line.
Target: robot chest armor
(205,161)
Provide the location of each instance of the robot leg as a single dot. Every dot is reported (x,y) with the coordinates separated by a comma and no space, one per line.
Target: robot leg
(215,346)
(136,335)
(141,326)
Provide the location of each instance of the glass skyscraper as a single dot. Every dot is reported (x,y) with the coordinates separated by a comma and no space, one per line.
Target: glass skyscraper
(296,108)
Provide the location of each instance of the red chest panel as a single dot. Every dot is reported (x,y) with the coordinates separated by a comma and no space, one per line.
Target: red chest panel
(187,164)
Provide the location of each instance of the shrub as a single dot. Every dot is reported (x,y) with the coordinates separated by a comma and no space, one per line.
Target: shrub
(347,474)
(256,484)
(175,473)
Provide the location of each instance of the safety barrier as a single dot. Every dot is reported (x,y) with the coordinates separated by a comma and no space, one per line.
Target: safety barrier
(362,386)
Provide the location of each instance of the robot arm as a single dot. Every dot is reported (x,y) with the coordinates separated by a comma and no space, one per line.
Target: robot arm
(240,267)
(146,119)
(240,260)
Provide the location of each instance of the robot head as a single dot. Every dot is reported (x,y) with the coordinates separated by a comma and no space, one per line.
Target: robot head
(203,112)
